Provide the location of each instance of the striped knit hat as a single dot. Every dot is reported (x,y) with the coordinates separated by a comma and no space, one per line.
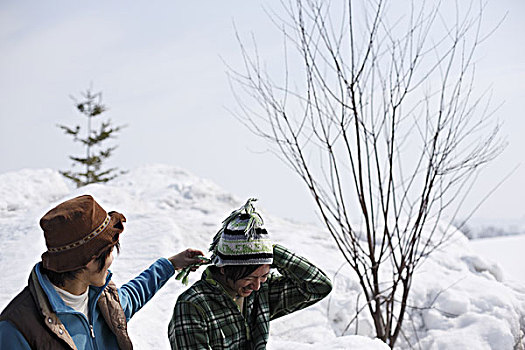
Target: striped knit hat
(242,240)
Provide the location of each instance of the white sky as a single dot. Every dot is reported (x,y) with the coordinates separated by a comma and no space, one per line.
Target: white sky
(160,68)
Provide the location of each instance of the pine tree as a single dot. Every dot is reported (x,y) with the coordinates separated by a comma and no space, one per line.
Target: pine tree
(91,106)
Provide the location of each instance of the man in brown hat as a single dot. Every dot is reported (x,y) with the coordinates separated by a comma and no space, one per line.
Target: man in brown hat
(70,301)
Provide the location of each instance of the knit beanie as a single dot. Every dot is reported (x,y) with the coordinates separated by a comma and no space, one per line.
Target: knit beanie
(242,240)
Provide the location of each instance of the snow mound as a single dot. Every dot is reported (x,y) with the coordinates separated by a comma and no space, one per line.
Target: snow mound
(484,228)
(25,189)
(458,300)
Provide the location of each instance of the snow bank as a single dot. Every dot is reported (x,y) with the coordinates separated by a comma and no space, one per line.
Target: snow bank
(485,228)
(28,188)
(459,300)
(507,251)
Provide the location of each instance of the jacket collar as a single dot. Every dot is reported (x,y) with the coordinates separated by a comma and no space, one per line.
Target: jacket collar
(207,275)
(56,303)
(51,319)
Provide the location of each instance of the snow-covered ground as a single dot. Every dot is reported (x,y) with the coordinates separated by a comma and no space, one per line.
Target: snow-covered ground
(483,228)
(507,251)
(460,300)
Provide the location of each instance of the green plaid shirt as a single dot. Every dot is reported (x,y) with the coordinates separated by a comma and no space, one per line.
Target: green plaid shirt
(206,317)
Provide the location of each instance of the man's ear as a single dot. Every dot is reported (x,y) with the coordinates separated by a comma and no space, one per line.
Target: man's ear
(92,261)
(221,270)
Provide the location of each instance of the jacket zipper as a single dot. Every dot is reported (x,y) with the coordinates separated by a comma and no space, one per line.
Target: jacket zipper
(92,332)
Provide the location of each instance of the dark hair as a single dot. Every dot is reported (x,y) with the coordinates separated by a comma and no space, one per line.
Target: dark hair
(101,259)
(59,278)
(235,272)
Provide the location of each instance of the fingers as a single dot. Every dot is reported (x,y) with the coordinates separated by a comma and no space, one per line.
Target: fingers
(190,252)
(188,257)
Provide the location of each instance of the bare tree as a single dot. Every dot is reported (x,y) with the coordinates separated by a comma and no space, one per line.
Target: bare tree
(386,128)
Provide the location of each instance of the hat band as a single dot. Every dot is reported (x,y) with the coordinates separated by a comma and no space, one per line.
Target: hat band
(228,247)
(84,240)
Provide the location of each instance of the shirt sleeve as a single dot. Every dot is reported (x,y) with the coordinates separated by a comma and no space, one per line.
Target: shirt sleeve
(188,328)
(11,338)
(301,284)
(137,292)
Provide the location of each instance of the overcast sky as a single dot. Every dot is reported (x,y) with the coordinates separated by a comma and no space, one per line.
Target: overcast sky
(161,68)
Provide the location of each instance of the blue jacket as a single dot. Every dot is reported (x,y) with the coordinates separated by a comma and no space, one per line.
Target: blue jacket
(94,334)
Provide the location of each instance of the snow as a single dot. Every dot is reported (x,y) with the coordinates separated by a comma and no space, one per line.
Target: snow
(460,299)
(484,228)
(507,251)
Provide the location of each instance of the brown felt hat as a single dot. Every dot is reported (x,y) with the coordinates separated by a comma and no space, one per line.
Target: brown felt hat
(76,231)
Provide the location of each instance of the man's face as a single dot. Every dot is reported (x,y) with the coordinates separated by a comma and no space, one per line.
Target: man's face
(245,286)
(95,277)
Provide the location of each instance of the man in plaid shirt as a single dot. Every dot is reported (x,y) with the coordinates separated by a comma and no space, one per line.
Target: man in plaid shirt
(232,305)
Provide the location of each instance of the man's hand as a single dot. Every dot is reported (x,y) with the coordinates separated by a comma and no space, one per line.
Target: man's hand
(185,258)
